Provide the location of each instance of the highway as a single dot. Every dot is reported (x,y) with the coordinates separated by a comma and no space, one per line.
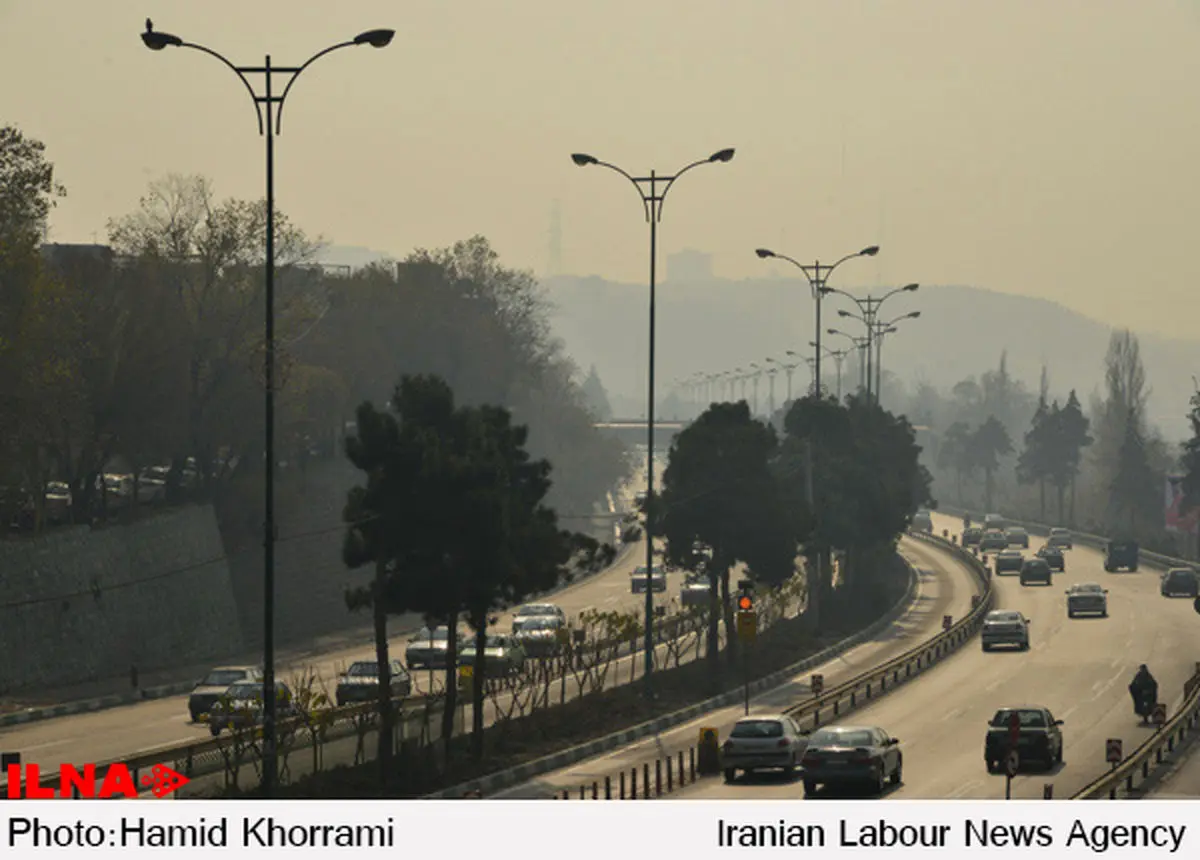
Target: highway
(132,729)
(946,587)
(1078,668)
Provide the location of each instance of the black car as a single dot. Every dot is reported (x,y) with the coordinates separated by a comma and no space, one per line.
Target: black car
(1036,570)
(1017,536)
(1009,560)
(848,755)
(1053,556)
(1180,582)
(992,540)
(1039,737)
(360,683)
(971,536)
(1119,554)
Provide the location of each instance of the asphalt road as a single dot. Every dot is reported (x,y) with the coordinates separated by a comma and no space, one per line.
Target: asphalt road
(132,729)
(1078,668)
(946,587)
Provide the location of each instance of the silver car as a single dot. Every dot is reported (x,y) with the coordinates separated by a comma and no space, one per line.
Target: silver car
(1005,627)
(1087,598)
(762,742)
(537,610)
(541,635)
(657,580)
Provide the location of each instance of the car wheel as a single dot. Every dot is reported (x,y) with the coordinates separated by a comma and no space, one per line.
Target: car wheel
(898,773)
(730,773)
(1133,569)
(880,780)
(1025,645)
(1104,614)
(810,788)
(195,716)
(1058,756)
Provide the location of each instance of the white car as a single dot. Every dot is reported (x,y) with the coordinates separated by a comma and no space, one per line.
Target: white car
(537,610)
(762,742)
(656,580)
(1087,598)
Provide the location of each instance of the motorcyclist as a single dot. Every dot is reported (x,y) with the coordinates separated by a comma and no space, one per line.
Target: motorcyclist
(1144,690)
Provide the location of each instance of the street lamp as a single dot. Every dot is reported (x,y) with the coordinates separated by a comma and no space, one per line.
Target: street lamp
(756,373)
(269,109)
(817,275)
(881,330)
(870,308)
(838,356)
(652,190)
(860,343)
(772,369)
(789,368)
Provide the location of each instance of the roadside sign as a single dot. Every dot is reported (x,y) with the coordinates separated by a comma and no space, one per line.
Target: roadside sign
(1012,763)
(465,672)
(818,684)
(1112,751)
(1048,791)
(708,736)
(1160,714)
(747,625)
(947,622)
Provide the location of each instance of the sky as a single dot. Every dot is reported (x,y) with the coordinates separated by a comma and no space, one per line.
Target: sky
(1038,147)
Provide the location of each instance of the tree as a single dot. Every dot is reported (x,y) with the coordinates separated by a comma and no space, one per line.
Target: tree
(1069,437)
(27,192)
(718,490)
(1124,400)
(1034,463)
(595,396)
(1134,487)
(955,453)
(987,444)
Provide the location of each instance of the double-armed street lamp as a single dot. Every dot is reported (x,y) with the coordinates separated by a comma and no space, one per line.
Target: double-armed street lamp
(652,190)
(838,356)
(772,368)
(756,372)
(268,107)
(882,329)
(817,275)
(859,343)
(789,368)
(869,307)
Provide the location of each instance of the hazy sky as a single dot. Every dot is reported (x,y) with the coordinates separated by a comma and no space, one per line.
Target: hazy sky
(1046,147)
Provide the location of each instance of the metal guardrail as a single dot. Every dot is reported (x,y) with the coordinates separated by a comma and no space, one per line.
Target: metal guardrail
(1151,752)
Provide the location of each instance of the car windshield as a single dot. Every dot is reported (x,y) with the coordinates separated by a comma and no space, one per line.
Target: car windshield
(1004,617)
(245,691)
(757,729)
(492,642)
(224,677)
(535,610)
(541,623)
(1029,719)
(1016,531)
(834,738)
(363,670)
(641,571)
(1058,532)
(1182,574)
(1088,588)
(442,634)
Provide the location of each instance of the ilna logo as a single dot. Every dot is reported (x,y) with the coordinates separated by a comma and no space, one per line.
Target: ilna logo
(73,782)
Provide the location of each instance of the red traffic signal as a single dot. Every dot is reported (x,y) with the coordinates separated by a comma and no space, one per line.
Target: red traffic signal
(745,603)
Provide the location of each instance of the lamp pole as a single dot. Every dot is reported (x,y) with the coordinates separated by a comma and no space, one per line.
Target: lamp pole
(772,369)
(859,343)
(838,356)
(881,330)
(817,275)
(652,190)
(870,310)
(269,109)
(756,372)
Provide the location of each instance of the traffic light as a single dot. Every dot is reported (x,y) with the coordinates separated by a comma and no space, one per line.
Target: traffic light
(746,603)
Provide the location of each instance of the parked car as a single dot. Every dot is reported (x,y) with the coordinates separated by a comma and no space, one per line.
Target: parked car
(763,742)
(993,540)
(1053,556)
(114,491)
(1005,627)
(849,755)
(1039,737)
(922,521)
(1121,554)
(537,610)
(360,682)
(428,650)
(972,536)
(1180,582)
(502,655)
(657,579)
(1087,598)
(215,684)
(1017,536)
(541,635)
(1035,570)
(152,484)
(1060,538)
(58,502)
(1009,560)
(242,707)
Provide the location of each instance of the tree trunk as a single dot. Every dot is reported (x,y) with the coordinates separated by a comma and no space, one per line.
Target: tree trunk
(451,685)
(731,648)
(479,623)
(386,711)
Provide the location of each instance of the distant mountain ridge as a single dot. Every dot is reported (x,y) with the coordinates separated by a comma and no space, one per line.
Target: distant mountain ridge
(718,325)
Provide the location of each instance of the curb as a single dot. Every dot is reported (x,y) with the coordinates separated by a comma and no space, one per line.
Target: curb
(101,703)
(525,772)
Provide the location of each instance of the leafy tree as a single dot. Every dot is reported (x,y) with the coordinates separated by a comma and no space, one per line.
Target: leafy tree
(1124,400)
(1135,487)
(1069,438)
(988,443)
(27,192)
(955,453)
(1035,461)
(595,396)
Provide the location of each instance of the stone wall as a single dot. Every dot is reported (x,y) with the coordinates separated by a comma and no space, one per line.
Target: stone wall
(78,604)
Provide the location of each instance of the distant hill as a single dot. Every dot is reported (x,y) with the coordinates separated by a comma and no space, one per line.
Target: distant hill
(717,325)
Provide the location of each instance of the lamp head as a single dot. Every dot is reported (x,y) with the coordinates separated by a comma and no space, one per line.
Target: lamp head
(723,155)
(915,315)
(582,159)
(844,313)
(832,331)
(789,352)
(764,253)
(911,288)
(869,251)
(157,41)
(375,38)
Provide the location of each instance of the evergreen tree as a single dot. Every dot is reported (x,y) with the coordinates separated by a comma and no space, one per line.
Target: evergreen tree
(988,443)
(595,397)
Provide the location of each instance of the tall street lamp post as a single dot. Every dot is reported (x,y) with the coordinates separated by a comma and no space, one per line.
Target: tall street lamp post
(652,190)
(269,108)
(772,369)
(838,356)
(817,274)
(882,329)
(756,372)
(859,343)
(789,368)
(870,310)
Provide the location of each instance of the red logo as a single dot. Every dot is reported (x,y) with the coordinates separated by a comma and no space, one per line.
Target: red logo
(72,782)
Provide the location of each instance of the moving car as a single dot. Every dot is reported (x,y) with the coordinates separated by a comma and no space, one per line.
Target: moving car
(1009,560)
(1017,536)
(695,591)
(541,635)
(1053,556)
(922,521)
(1087,598)
(502,655)
(1180,582)
(972,536)
(242,707)
(214,685)
(1039,737)
(428,650)
(849,755)
(1060,538)
(360,682)
(993,539)
(1035,570)
(994,521)
(1005,627)
(657,579)
(1119,554)
(762,742)
(537,610)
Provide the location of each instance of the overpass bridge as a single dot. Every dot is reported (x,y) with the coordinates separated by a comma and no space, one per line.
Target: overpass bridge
(632,431)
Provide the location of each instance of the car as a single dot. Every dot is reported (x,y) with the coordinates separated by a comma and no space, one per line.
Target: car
(923,521)
(1005,627)
(639,500)
(1060,538)
(360,682)
(1119,554)
(1053,556)
(213,686)
(993,540)
(994,521)
(152,483)
(1039,737)
(972,536)
(695,591)
(58,502)
(502,655)
(537,610)
(1180,582)
(1035,570)
(242,707)
(849,755)
(763,742)
(658,579)
(429,650)
(1009,560)
(541,635)
(1087,598)
(1017,536)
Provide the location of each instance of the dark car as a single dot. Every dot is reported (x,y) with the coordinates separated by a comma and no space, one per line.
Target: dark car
(852,755)
(994,521)
(1035,570)
(1017,536)
(657,580)
(429,650)
(1009,560)
(1005,627)
(209,689)
(922,521)
(1180,582)
(1054,557)
(992,540)
(242,707)
(1119,554)
(1060,538)
(1087,598)
(360,683)
(1039,737)
(695,591)
(542,636)
(972,536)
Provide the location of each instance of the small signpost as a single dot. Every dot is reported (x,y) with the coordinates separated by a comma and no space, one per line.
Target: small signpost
(1159,717)
(1048,791)
(708,753)
(818,684)
(1112,752)
(947,622)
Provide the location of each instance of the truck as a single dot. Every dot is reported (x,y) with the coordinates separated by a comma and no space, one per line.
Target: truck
(1121,554)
